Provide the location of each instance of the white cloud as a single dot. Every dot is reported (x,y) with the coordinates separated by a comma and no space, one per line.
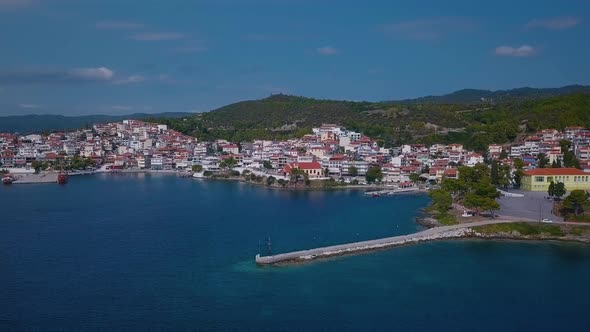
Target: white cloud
(54,76)
(99,74)
(327,50)
(158,36)
(118,25)
(29,106)
(556,23)
(520,52)
(130,80)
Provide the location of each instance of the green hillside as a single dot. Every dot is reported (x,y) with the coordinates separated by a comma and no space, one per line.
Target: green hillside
(475,125)
(474,96)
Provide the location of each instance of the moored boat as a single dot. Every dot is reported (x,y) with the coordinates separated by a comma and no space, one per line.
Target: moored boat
(62,178)
(7,179)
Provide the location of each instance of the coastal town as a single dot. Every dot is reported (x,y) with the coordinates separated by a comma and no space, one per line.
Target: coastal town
(329,152)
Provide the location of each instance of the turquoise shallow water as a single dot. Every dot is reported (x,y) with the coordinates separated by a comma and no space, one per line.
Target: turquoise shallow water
(140,252)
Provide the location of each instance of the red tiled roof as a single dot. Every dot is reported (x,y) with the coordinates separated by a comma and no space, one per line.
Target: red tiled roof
(311,165)
(555,171)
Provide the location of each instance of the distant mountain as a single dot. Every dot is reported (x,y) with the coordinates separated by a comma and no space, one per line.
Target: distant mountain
(34,123)
(472,96)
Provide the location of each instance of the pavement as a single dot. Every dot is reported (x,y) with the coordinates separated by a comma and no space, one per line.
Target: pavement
(533,205)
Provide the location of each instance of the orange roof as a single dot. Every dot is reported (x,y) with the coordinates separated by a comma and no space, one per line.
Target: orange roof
(555,171)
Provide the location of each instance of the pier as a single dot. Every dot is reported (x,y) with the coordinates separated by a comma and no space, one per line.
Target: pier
(48,177)
(437,233)
(392,191)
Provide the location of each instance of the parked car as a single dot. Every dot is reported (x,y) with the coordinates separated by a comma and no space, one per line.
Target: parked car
(547,220)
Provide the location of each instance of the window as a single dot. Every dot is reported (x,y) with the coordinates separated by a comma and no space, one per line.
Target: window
(539,179)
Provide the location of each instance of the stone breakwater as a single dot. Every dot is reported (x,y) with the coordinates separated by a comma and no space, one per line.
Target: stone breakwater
(437,233)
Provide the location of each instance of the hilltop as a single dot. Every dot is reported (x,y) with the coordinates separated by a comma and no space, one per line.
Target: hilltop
(471,96)
(475,124)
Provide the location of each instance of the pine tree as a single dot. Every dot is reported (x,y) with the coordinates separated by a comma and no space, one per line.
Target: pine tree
(551,190)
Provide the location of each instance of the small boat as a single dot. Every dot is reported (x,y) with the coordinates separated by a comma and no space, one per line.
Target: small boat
(7,179)
(62,178)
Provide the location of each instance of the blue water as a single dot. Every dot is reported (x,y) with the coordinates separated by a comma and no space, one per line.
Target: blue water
(141,252)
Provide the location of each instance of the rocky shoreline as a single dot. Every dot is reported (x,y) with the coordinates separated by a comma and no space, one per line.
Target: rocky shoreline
(515,236)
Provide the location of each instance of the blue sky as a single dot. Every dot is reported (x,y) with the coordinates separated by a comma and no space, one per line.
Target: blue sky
(122,56)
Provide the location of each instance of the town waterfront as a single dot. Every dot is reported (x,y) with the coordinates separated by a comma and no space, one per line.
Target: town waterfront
(147,252)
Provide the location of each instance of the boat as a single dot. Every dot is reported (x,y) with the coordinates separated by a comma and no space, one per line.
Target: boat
(62,178)
(7,179)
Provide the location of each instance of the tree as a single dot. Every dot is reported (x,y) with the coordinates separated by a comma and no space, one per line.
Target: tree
(473,174)
(228,163)
(374,174)
(38,166)
(282,182)
(297,174)
(454,186)
(441,199)
(551,189)
(481,203)
(560,190)
(490,205)
(426,169)
(504,176)
(326,171)
(494,172)
(270,180)
(519,172)
(353,171)
(267,164)
(558,163)
(197,168)
(414,177)
(575,202)
(542,160)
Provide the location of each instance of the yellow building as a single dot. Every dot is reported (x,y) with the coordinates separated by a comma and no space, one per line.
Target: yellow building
(539,179)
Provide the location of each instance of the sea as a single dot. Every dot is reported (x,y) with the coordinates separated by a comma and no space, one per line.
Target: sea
(145,252)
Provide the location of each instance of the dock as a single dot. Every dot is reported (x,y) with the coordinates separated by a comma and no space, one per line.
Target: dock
(391,191)
(49,177)
(437,233)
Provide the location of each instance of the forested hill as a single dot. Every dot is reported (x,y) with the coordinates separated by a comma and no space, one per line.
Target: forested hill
(475,125)
(471,96)
(34,123)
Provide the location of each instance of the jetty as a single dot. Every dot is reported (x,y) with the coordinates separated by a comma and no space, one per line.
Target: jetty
(432,234)
(392,191)
(46,177)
